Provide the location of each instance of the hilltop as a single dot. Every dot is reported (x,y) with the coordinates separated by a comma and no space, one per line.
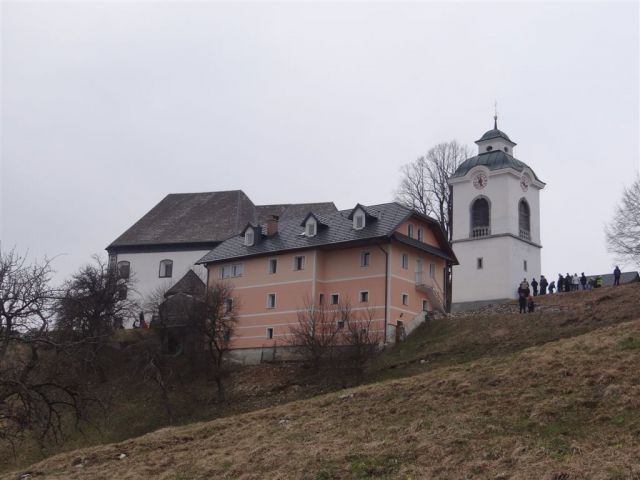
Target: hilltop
(491,394)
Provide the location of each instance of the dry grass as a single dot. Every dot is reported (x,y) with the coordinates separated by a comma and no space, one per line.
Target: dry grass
(485,406)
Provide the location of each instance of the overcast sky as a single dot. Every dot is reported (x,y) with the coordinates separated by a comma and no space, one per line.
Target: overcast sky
(108,107)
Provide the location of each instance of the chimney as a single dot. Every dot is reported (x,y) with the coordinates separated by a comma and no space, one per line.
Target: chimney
(272,225)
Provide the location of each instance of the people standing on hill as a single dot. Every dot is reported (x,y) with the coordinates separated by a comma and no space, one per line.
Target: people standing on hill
(599,281)
(534,286)
(591,283)
(543,285)
(530,304)
(616,276)
(576,282)
(560,283)
(523,294)
(583,281)
(567,282)
(552,287)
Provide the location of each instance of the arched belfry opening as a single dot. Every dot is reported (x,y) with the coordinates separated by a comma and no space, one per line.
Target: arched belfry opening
(524,219)
(480,217)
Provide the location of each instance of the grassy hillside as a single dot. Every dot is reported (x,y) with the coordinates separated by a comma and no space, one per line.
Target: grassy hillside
(552,395)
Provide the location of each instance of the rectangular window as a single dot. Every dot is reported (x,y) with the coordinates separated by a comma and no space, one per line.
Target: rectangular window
(298,263)
(525,265)
(335,298)
(432,270)
(273,265)
(425,306)
(270,332)
(228,304)
(166,269)
(405,299)
(420,235)
(231,270)
(311,229)
(480,263)
(271,300)
(410,230)
(321,299)
(124,269)
(340,324)
(365,259)
(364,297)
(359,222)
(405,261)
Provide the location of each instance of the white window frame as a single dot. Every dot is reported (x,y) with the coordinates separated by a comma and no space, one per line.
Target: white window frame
(321,299)
(271,305)
(365,258)
(337,297)
(228,304)
(405,261)
(162,268)
(410,230)
(420,234)
(311,227)
(425,305)
(302,262)
(272,262)
(359,220)
(405,296)
(364,292)
(249,237)
(432,270)
(231,270)
(270,333)
(121,264)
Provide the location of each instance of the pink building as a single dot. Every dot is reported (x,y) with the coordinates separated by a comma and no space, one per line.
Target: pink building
(387,259)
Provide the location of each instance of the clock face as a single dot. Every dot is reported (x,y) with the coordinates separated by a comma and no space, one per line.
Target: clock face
(480,180)
(524,182)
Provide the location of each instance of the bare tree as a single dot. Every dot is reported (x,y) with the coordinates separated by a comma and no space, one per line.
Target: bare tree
(424,187)
(219,320)
(360,337)
(93,302)
(316,332)
(623,233)
(38,387)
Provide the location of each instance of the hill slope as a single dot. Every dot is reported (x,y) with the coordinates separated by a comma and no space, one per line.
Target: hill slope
(564,409)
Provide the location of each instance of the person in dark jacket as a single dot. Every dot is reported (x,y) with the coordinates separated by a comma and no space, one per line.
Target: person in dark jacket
(523,294)
(534,285)
(616,276)
(530,305)
(567,283)
(583,281)
(560,283)
(543,285)
(552,287)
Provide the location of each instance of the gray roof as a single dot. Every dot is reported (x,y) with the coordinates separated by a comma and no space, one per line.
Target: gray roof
(494,160)
(288,211)
(625,277)
(339,230)
(189,284)
(202,218)
(495,133)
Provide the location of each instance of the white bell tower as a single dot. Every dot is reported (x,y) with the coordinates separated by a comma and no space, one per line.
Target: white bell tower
(496,222)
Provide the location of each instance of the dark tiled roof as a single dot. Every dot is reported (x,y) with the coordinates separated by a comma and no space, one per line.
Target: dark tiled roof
(447,255)
(190,218)
(190,284)
(494,133)
(292,210)
(210,217)
(339,231)
(494,160)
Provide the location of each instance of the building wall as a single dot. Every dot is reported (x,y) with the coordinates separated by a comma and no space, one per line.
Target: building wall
(326,272)
(503,256)
(145,269)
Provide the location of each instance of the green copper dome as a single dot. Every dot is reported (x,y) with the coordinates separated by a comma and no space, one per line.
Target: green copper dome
(495,160)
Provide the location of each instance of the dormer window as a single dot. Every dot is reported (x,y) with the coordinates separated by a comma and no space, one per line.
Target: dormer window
(311,227)
(358,221)
(249,237)
(360,216)
(489,148)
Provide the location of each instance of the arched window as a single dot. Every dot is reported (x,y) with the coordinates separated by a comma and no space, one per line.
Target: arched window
(524,219)
(166,268)
(124,269)
(480,218)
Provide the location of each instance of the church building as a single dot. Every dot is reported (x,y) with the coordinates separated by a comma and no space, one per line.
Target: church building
(496,222)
